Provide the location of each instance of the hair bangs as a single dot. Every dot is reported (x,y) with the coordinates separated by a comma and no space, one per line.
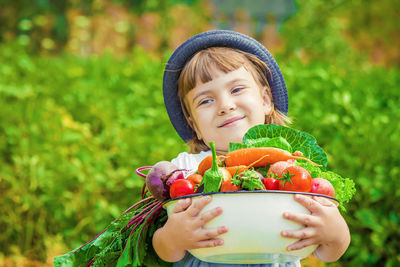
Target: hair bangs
(200,69)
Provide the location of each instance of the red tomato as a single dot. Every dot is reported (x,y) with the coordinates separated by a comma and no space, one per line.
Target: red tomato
(228,186)
(295,178)
(278,167)
(271,183)
(322,186)
(181,187)
(195,178)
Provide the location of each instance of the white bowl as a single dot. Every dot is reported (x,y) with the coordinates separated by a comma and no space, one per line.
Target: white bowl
(254,220)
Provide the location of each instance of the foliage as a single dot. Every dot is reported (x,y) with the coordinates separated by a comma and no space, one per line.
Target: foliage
(72,133)
(125,241)
(73,130)
(350,107)
(341,29)
(354,119)
(88,26)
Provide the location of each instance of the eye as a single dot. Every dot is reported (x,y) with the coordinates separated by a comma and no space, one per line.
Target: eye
(237,90)
(205,101)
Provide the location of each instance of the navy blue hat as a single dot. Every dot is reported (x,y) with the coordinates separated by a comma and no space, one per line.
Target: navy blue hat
(205,40)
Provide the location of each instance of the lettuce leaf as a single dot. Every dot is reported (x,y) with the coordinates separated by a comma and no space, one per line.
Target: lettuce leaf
(344,187)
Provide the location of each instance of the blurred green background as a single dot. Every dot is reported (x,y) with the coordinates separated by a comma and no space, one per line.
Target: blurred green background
(81,108)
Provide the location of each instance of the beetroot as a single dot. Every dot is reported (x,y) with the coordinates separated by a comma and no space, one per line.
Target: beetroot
(160,177)
(173,176)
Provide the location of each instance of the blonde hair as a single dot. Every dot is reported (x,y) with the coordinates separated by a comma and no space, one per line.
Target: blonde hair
(226,59)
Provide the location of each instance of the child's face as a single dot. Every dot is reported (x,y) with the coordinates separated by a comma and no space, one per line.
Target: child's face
(223,109)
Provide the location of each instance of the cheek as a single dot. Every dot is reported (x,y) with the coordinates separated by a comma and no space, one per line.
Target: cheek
(201,122)
(200,118)
(253,99)
(256,107)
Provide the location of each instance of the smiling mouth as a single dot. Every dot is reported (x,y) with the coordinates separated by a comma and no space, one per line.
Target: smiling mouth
(230,121)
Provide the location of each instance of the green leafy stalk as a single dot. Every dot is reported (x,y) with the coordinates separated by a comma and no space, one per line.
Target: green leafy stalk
(249,180)
(213,177)
(125,242)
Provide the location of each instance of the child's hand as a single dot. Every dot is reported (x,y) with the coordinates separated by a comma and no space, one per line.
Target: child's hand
(184,230)
(325,226)
(188,225)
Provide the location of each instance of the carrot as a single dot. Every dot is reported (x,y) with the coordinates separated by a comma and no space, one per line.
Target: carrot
(195,178)
(247,156)
(242,168)
(225,174)
(206,164)
(232,170)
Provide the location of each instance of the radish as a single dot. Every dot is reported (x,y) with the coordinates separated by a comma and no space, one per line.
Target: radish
(322,186)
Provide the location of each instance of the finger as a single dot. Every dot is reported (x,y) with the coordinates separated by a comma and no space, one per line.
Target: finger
(182,205)
(209,243)
(198,205)
(308,202)
(304,233)
(304,219)
(302,244)
(207,216)
(211,233)
(324,201)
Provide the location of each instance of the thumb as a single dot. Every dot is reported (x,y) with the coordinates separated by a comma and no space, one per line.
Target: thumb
(182,205)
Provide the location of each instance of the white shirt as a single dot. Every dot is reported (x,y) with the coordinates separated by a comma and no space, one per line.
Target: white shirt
(190,161)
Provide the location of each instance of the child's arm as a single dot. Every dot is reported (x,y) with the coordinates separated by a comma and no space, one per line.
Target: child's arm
(184,230)
(324,226)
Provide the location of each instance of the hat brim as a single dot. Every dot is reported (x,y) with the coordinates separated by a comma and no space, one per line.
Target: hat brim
(216,38)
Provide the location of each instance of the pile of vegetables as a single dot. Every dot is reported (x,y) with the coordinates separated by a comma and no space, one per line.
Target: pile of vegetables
(271,157)
(240,172)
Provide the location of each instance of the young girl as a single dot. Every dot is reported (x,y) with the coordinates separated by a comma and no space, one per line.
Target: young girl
(217,85)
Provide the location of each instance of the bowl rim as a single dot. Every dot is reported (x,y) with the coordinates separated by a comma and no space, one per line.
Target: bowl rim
(251,192)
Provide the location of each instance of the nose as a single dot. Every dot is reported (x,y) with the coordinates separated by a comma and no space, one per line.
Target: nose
(227,105)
